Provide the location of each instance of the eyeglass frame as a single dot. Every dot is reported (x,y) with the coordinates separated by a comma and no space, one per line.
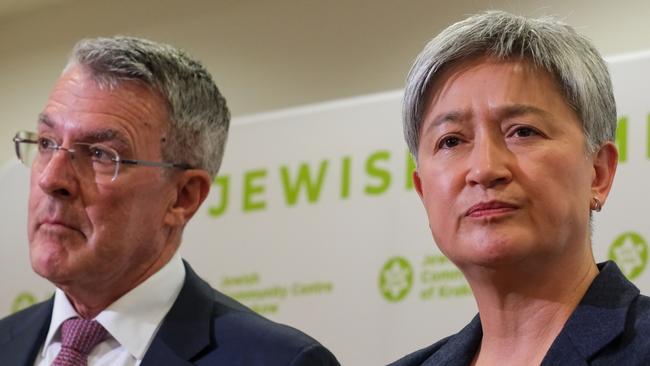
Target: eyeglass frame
(117,160)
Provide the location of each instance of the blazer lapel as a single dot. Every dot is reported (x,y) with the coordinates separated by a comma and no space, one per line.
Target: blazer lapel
(27,335)
(185,331)
(460,349)
(597,321)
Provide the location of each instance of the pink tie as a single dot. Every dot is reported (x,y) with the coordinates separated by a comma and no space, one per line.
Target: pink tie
(78,338)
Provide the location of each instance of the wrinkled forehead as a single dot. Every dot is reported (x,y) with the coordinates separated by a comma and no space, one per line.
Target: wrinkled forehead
(495,91)
(80,108)
(452,72)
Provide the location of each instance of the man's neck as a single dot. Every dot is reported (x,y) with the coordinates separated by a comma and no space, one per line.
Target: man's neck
(91,299)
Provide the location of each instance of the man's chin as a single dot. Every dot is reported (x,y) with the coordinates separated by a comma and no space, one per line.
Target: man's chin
(50,261)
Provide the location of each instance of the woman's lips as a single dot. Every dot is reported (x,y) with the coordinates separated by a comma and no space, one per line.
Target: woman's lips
(490,208)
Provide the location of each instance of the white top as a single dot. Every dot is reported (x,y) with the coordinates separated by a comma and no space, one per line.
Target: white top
(132,321)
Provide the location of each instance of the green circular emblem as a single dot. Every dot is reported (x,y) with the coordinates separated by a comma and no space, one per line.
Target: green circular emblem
(395,279)
(630,252)
(22,301)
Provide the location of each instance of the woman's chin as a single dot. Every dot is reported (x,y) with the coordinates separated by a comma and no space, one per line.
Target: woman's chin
(495,253)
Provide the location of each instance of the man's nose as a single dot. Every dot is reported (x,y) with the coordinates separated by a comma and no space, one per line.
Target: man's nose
(58,177)
(489,162)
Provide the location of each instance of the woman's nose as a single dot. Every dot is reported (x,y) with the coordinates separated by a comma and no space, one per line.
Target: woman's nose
(489,162)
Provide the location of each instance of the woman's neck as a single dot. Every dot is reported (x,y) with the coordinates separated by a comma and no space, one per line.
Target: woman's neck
(524,308)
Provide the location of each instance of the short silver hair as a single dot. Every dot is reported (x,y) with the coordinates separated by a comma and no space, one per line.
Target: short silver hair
(198,115)
(548,43)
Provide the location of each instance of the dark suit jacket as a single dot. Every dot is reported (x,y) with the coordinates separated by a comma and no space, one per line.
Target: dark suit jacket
(610,326)
(203,327)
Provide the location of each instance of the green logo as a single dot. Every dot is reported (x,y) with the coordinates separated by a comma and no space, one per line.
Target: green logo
(630,252)
(22,301)
(396,279)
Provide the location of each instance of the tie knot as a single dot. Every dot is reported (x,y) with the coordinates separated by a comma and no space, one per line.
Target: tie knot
(81,335)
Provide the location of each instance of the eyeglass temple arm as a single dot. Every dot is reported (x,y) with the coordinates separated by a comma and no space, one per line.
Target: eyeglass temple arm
(155,164)
(20,139)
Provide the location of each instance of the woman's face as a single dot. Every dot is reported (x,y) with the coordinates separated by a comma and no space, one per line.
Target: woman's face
(502,165)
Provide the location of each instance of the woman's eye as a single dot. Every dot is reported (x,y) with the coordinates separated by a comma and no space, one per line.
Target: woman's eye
(525,132)
(449,142)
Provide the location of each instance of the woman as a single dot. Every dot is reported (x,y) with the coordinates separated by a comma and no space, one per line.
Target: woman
(511,122)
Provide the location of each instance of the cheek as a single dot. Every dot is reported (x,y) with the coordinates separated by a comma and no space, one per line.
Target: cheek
(36,197)
(113,239)
(562,187)
(441,190)
(440,187)
(126,218)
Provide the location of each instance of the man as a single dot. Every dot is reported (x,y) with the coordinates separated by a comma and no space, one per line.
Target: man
(124,154)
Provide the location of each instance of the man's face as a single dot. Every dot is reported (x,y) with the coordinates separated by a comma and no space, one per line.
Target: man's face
(502,168)
(82,233)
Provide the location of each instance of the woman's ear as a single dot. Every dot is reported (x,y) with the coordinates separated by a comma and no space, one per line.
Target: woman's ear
(192,188)
(605,161)
(417,183)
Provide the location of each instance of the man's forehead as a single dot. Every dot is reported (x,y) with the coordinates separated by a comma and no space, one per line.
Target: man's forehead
(78,81)
(78,98)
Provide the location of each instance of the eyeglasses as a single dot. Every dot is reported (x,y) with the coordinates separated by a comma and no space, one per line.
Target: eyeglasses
(90,161)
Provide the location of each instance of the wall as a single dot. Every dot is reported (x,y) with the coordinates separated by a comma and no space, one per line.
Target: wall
(268,55)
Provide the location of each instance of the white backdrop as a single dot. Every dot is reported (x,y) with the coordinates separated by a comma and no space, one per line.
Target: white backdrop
(313,222)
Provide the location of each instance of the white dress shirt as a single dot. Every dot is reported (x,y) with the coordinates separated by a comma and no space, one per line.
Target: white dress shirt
(132,321)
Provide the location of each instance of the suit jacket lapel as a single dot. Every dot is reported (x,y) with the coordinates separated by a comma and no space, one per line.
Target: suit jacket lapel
(598,320)
(27,335)
(186,329)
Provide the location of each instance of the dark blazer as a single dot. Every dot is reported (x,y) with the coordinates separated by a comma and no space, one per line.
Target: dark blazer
(610,326)
(203,327)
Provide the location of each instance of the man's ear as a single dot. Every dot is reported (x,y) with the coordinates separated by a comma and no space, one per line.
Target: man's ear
(605,163)
(417,183)
(192,188)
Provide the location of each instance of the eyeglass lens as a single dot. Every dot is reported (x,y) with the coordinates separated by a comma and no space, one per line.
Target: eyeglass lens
(90,161)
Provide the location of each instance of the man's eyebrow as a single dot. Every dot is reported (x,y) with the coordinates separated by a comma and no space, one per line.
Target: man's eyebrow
(94,136)
(103,135)
(45,120)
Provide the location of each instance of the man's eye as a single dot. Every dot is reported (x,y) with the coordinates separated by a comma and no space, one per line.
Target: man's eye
(45,144)
(449,142)
(101,154)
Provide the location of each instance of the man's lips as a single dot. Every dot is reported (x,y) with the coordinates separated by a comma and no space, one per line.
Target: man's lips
(55,223)
(490,208)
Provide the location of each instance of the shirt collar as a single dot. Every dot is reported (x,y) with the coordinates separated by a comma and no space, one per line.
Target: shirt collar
(134,318)
(62,310)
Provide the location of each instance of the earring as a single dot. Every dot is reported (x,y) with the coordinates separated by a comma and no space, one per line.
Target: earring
(596,205)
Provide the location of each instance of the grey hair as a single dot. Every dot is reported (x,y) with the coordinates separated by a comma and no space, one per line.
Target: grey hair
(548,43)
(198,115)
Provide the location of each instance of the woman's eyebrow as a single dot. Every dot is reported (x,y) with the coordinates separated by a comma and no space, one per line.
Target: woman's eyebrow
(453,117)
